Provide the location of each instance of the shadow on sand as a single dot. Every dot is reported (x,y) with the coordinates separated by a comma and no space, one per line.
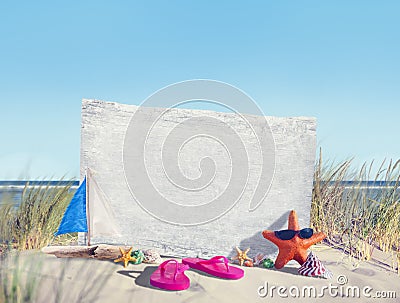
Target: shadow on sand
(142,278)
(257,240)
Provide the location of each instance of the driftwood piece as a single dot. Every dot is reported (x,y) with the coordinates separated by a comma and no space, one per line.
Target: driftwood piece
(101,251)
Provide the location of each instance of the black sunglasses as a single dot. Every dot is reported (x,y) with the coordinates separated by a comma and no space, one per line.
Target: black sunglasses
(288,234)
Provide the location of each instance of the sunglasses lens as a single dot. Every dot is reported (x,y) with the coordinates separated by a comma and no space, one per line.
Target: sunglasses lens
(285,234)
(306,233)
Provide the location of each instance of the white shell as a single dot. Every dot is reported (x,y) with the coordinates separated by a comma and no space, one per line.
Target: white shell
(151,256)
(259,258)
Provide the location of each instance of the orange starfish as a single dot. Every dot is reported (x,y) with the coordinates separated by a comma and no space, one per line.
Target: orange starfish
(295,248)
(125,256)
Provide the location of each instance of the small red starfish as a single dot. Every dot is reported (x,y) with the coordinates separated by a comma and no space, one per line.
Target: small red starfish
(295,248)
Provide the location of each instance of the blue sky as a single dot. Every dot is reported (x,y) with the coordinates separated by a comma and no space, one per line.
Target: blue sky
(338,61)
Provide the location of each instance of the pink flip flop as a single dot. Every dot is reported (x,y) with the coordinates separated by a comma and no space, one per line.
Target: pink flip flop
(216,266)
(170,276)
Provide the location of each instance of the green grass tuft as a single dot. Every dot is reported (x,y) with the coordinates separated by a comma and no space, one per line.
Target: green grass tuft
(358,219)
(32,223)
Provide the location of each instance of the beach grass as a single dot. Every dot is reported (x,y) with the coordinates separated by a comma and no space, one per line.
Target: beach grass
(25,277)
(358,218)
(19,278)
(31,224)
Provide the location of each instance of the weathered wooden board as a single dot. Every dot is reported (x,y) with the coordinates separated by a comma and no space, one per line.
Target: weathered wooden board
(104,126)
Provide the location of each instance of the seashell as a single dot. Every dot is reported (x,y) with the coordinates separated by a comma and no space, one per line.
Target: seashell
(151,256)
(248,263)
(313,267)
(259,258)
(268,263)
(137,257)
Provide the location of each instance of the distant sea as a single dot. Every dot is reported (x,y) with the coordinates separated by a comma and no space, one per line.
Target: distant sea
(12,190)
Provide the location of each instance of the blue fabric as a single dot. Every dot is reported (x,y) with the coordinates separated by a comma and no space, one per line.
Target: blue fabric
(74,219)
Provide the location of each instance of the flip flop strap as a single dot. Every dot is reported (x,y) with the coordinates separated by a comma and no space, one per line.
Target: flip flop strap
(217,259)
(178,269)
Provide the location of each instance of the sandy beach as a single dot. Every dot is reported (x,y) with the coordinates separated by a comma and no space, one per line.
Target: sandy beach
(89,280)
